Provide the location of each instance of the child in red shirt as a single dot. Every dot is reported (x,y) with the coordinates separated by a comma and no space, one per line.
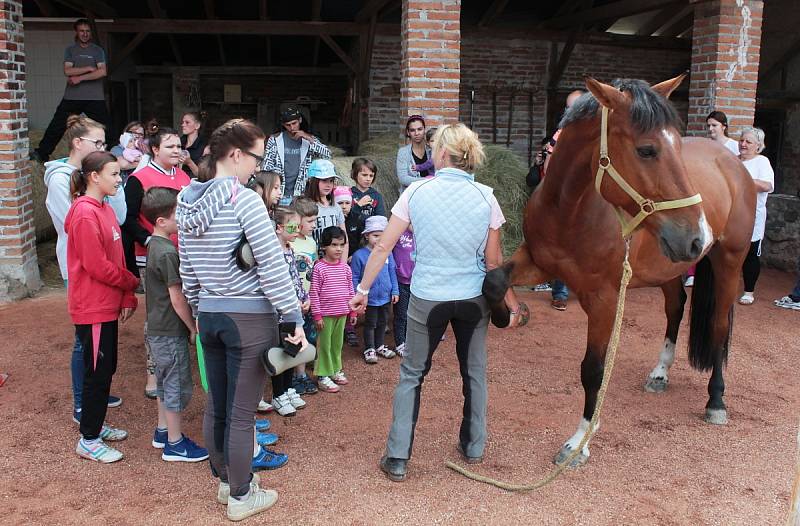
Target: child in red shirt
(100,294)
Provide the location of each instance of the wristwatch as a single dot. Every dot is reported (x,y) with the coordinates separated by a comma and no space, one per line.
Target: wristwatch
(362,291)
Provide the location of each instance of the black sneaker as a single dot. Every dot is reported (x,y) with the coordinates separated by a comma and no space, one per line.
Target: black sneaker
(395,468)
(298,385)
(310,385)
(352,338)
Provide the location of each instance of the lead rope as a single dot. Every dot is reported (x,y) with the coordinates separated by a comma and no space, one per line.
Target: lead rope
(627,273)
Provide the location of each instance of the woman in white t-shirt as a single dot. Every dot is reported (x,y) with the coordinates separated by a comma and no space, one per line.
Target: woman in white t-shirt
(751,145)
(717,123)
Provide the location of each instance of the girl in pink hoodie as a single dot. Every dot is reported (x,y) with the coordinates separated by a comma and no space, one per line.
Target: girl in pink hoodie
(100,294)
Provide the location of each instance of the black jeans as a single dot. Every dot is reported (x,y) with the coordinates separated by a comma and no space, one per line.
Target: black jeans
(751,268)
(94,109)
(375,326)
(96,376)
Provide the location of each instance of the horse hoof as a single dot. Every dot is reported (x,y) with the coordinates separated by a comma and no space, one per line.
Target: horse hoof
(718,417)
(656,385)
(565,452)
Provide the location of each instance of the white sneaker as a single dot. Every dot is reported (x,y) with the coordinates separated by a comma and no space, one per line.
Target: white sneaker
(256,501)
(224,490)
(264,406)
(283,406)
(294,399)
(98,451)
(401,350)
(787,302)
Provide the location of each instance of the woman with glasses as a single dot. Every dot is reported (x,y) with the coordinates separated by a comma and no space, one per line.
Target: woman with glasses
(237,305)
(163,171)
(84,136)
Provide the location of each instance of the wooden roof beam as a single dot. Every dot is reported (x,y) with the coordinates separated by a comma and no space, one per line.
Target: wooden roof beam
(614,10)
(678,25)
(46,7)
(494,10)
(340,52)
(371,7)
(155,8)
(118,58)
(210,14)
(263,14)
(241,27)
(782,62)
(316,14)
(659,20)
(95,7)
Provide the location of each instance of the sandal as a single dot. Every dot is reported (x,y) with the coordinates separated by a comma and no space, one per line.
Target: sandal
(746,299)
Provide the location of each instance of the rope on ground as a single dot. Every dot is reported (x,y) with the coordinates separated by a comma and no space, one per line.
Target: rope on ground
(627,273)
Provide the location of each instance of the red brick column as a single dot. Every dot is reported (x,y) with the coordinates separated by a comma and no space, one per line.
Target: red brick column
(19,274)
(726,41)
(431,65)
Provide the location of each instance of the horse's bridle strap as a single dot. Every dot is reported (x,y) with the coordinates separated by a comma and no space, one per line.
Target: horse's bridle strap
(646,206)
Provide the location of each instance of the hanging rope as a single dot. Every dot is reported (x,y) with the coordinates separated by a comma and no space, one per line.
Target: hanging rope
(627,273)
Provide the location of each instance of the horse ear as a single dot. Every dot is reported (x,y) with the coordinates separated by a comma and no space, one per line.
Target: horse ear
(666,88)
(607,95)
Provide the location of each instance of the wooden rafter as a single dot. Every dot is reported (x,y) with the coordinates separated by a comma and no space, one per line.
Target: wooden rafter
(659,20)
(614,10)
(678,24)
(494,10)
(223,71)
(238,27)
(46,7)
(155,8)
(563,60)
(372,7)
(95,7)
(211,15)
(316,14)
(118,58)
(367,43)
(339,52)
(263,14)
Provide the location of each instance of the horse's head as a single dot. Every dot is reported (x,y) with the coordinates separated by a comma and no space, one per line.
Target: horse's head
(641,168)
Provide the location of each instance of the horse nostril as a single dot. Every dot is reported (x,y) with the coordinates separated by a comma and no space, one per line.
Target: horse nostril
(696,247)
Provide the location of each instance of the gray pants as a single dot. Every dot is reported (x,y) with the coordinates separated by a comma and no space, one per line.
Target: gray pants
(427,321)
(232,345)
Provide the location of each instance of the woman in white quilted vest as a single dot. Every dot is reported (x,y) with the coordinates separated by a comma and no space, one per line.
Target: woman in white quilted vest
(457,232)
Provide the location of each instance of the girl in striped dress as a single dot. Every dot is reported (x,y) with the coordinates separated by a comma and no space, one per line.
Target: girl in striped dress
(331,290)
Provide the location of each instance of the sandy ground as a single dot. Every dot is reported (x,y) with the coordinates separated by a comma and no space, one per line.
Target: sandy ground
(654,460)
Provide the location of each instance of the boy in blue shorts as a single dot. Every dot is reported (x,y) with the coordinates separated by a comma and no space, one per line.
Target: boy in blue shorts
(170,327)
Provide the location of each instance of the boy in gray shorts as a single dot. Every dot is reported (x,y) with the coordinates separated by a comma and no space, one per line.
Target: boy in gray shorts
(170,326)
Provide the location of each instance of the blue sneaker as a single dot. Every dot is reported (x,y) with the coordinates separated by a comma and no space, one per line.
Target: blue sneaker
(267,459)
(160,438)
(184,451)
(76,416)
(309,386)
(263,425)
(298,385)
(266,439)
(114,401)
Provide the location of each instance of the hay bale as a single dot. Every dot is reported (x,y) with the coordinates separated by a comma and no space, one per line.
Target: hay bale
(505,171)
(41,218)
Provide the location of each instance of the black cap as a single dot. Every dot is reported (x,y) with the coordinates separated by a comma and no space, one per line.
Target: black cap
(290,114)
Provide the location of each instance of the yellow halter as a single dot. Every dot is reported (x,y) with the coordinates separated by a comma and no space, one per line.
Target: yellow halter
(646,206)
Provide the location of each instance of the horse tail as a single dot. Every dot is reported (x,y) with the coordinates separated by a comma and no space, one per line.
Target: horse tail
(702,351)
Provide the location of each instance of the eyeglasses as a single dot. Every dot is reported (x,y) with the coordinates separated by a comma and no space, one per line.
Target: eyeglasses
(291,228)
(255,156)
(98,143)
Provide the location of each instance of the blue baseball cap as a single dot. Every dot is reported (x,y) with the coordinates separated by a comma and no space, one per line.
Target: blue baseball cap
(322,169)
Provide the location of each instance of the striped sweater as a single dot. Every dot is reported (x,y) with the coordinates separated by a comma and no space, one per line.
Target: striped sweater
(331,289)
(211,218)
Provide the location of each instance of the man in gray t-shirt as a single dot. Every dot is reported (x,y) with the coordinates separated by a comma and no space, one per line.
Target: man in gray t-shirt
(291,161)
(85,68)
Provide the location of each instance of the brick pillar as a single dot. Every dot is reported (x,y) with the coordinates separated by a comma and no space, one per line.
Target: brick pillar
(726,42)
(19,274)
(431,64)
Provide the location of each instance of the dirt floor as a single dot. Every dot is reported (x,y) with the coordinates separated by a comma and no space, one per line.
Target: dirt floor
(654,460)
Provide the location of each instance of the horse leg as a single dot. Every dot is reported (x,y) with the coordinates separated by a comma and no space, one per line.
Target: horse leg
(496,285)
(674,300)
(600,309)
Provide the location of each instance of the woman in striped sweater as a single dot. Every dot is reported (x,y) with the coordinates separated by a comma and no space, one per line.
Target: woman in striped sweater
(237,310)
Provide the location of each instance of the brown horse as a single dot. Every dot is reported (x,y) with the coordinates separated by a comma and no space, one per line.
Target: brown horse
(572,230)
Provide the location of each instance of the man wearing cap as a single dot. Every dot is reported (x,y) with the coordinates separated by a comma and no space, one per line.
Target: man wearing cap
(412,154)
(291,151)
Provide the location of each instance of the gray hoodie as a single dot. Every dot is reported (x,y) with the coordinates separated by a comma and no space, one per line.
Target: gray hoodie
(212,216)
(56,177)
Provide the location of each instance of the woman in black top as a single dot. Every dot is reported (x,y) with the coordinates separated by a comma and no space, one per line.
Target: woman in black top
(192,142)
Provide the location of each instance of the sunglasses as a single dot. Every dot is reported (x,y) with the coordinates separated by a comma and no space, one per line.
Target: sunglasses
(255,156)
(99,144)
(291,228)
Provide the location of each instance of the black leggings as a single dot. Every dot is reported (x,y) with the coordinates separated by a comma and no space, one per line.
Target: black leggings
(281,382)
(96,376)
(375,326)
(751,267)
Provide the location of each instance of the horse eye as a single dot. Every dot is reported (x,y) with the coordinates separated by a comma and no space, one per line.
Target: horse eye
(646,152)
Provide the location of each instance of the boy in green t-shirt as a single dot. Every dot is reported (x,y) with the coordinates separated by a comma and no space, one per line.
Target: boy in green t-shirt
(170,326)
(305,251)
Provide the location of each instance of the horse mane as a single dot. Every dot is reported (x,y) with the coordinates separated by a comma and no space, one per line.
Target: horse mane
(649,110)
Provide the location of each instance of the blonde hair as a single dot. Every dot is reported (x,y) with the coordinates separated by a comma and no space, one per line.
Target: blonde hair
(758,134)
(79,125)
(461,144)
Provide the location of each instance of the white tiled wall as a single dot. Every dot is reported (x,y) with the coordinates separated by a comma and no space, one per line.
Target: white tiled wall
(44,64)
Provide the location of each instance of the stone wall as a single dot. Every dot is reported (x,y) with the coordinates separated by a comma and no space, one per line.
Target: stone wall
(781,246)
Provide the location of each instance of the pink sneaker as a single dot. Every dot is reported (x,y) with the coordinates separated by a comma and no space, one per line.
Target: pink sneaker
(340,378)
(325,384)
